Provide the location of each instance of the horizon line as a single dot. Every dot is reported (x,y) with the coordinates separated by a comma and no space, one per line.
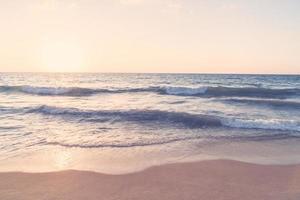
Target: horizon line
(208,73)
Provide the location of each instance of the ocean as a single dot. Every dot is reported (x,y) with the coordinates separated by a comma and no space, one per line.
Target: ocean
(117,123)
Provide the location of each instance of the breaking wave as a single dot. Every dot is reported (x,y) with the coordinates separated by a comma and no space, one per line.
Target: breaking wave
(185,91)
(174,118)
(231,92)
(179,91)
(142,116)
(267,124)
(66,91)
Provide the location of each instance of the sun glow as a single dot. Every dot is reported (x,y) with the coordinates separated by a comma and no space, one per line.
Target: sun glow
(62,57)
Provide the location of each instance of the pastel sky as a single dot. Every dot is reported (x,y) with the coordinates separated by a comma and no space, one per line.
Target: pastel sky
(202,36)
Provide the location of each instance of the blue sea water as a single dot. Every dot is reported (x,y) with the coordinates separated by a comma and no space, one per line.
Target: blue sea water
(120,118)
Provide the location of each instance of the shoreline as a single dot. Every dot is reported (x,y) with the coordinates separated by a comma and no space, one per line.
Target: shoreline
(210,179)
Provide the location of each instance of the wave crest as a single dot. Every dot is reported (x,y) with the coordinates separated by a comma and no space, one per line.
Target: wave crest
(141,116)
(48,91)
(174,118)
(185,90)
(231,91)
(179,91)
(267,124)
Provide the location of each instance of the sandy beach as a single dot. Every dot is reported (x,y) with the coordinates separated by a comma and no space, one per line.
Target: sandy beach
(217,179)
(149,100)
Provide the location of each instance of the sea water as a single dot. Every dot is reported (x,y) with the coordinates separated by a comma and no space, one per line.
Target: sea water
(118,123)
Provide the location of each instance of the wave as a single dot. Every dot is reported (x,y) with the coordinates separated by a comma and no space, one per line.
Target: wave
(58,91)
(267,124)
(64,91)
(267,102)
(187,120)
(67,91)
(10,127)
(186,91)
(231,91)
(141,116)
(179,91)
(253,137)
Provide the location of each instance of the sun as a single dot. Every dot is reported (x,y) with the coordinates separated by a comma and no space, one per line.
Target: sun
(62,57)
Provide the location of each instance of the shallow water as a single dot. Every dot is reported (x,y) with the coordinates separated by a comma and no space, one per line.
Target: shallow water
(124,122)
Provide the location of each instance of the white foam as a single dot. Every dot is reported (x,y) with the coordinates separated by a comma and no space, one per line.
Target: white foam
(268,124)
(45,90)
(185,90)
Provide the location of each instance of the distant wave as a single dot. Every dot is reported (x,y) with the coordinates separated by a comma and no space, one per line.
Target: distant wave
(184,91)
(174,118)
(66,91)
(72,91)
(231,92)
(268,102)
(179,91)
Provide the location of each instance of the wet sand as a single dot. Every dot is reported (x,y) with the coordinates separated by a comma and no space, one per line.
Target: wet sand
(207,180)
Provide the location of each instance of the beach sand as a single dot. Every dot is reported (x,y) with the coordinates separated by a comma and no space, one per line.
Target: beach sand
(207,180)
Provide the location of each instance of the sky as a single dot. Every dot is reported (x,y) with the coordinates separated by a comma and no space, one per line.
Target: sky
(169,36)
